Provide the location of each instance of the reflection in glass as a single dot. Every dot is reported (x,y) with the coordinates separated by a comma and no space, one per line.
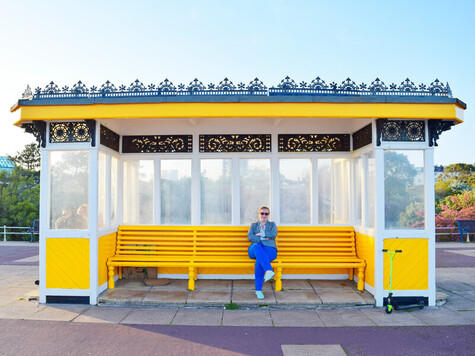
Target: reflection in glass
(359,184)
(295,175)
(216,191)
(333,191)
(254,188)
(138,192)
(404,189)
(69,177)
(175,177)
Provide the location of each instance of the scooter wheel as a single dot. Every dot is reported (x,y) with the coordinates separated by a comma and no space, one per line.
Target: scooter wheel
(388,309)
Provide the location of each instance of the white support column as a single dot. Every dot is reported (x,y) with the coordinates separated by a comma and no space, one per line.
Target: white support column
(195,183)
(314,191)
(44,219)
(379,240)
(430,219)
(93,211)
(236,192)
(157,207)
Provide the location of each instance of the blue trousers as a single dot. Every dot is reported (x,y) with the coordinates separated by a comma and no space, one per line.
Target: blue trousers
(264,255)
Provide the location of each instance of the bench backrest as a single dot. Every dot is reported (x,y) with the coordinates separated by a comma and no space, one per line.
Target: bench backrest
(232,241)
(321,241)
(466,226)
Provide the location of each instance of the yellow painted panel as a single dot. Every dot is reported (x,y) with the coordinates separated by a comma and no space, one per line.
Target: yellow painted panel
(67,263)
(365,249)
(411,267)
(106,249)
(226,110)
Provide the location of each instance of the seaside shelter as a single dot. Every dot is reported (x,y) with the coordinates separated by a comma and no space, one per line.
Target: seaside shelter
(317,154)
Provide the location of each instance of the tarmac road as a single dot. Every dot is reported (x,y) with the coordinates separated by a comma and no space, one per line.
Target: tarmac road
(21,337)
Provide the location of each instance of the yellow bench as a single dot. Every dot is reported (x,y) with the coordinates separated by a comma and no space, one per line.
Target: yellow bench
(196,247)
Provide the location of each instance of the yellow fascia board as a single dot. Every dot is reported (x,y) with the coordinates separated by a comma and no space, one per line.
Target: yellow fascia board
(244,110)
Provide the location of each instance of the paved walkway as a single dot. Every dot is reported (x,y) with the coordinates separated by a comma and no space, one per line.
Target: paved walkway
(445,330)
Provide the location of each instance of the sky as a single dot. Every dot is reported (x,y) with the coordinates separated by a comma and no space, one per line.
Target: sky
(121,41)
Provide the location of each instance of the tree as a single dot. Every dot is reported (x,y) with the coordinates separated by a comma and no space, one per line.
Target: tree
(29,158)
(454,207)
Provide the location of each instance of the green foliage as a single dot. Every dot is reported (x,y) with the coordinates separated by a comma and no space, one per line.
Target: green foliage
(232,306)
(29,158)
(19,197)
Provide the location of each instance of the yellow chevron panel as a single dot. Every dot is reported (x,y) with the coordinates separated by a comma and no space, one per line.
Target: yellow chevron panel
(106,249)
(365,249)
(411,267)
(67,263)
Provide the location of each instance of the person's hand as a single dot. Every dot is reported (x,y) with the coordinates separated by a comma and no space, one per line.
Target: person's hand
(258,234)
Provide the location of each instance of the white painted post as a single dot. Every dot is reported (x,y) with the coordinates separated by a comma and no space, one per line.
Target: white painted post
(4,233)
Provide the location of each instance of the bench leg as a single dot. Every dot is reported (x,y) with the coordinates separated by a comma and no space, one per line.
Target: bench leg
(350,274)
(111,277)
(278,279)
(361,278)
(191,280)
(120,273)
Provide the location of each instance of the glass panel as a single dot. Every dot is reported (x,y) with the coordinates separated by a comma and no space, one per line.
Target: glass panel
(295,191)
(404,189)
(101,190)
(69,177)
(114,183)
(371,184)
(333,191)
(216,191)
(175,191)
(254,188)
(359,190)
(138,192)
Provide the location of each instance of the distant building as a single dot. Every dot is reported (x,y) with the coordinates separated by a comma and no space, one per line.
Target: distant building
(6,164)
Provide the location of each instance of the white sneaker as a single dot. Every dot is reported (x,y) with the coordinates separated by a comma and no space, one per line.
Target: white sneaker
(259,294)
(268,276)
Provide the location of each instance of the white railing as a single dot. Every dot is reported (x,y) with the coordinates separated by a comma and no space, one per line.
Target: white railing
(450,231)
(15,230)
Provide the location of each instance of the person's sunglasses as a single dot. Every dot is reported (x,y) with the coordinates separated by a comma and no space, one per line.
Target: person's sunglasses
(264,213)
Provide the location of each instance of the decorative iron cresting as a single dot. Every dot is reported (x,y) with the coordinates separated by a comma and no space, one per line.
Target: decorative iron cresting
(226,87)
(109,138)
(314,142)
(66,132)
(235,143)
(436,127)
(157,144)
(363,137)
(38,129)
(400,130)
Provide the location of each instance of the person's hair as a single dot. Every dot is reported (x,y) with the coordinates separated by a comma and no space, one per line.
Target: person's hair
(262,208)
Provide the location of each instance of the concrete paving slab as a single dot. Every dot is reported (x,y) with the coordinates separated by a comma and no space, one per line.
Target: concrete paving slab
(103,315)
(342,297)
(7,299)
(296,318)
(122,296)
(344,317)
(210,317)
(312,350)
(150,316)
(396,318)
(17,312)
(451,285)
(175,284)
(455,302)
(467,314)
(301,297)
(469,295)
(332,284)
(136,284)
(296,284)
(213,284)
(161,297)
(16,291)
(59,313)
(209,297)
(247,318)
(248,298)
(249,284)
(440,316)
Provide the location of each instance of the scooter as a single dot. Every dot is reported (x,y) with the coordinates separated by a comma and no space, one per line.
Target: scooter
(391,303)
